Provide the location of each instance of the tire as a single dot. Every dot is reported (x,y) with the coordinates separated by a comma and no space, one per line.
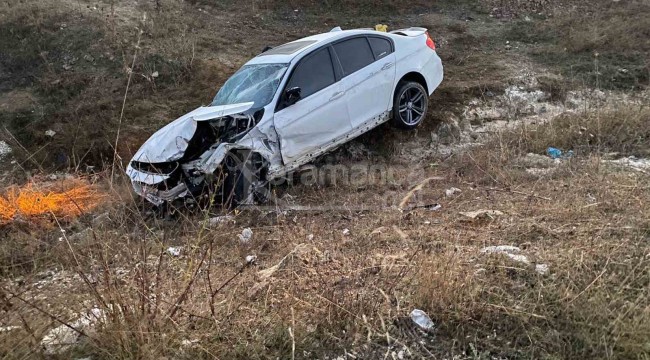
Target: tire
(245,181)
(409,105)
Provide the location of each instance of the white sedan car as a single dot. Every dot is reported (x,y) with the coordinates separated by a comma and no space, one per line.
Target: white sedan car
(284,108)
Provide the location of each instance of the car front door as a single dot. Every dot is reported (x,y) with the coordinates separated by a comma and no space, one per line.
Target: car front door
(320,116)
(368,76)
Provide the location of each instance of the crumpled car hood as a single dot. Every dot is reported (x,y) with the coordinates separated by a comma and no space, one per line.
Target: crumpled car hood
(170,142)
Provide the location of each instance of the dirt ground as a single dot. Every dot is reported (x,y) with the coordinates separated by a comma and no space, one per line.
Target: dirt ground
(510,253)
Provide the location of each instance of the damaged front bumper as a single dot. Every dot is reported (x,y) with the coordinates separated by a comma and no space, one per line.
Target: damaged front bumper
(149,186)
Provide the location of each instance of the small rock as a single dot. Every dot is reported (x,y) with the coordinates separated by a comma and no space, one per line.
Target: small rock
(250,259)
(154,74)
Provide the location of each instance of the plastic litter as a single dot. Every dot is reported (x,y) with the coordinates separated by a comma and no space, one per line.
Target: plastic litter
(250,259)
(556,153)
(346,232)
(421,319)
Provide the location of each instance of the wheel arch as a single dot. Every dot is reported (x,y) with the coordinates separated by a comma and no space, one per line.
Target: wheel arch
(414,76)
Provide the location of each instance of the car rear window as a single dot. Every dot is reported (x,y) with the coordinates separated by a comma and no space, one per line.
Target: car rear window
(380,47)
(313,74)
(354,54)
(289,48)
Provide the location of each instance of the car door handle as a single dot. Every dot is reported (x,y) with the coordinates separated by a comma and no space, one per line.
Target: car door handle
(387,66)
(337,95)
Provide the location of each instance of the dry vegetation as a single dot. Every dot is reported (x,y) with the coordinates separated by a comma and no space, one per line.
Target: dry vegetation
(313,290)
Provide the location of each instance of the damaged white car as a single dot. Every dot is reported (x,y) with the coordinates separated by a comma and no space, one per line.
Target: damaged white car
(284,108)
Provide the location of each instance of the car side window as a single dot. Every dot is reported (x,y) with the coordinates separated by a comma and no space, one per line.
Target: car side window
(380,47)
(313,73)
(354,54)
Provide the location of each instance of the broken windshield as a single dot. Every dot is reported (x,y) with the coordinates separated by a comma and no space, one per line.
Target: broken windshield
(256,83)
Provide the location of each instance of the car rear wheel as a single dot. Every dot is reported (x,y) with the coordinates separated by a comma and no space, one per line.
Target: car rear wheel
(410,105)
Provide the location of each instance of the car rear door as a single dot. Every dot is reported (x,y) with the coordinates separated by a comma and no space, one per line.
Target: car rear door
(320,116)
(368,69)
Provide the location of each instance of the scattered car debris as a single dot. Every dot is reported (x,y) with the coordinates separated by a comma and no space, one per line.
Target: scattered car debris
(174,250)
(422,320)
(245,236)
(451,191)
(480,214)
(64,337)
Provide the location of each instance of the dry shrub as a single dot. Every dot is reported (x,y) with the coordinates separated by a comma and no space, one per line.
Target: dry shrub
(584,41)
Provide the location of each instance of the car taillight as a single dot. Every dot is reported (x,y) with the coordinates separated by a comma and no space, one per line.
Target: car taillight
(430,42)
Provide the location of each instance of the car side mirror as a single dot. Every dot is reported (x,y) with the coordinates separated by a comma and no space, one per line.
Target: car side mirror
(292,96)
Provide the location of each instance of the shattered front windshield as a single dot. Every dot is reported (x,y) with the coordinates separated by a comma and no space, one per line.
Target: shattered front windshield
(256,83)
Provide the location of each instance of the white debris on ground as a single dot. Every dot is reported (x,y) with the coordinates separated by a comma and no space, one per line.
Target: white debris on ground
(250,259)
(346,232)
(174,250)
(500,249)
(214,221)
(422,320)
(50,133)
(245,236)
(8,328)
(5,149)
(479,214)
(63,337)
(451,191)
(542,269)
(634,163)
(508,250)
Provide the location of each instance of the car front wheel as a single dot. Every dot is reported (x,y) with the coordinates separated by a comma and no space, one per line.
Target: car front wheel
(410,105)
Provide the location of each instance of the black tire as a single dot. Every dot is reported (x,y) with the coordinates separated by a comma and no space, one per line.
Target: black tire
(409,105)
(244,182)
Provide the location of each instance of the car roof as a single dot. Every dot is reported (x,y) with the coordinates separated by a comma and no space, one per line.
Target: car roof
(289,51)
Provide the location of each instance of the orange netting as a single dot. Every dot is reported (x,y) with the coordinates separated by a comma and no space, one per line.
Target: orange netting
(32,200)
